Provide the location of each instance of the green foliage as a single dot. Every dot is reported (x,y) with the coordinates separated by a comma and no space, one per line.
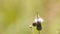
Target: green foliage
(17,15)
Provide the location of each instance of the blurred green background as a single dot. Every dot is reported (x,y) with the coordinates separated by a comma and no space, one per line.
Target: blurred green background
(17,15)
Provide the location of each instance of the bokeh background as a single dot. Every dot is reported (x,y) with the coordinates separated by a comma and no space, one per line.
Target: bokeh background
(17,15)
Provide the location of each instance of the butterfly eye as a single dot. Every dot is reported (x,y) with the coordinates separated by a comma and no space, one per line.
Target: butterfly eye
(39,27)
(34,24)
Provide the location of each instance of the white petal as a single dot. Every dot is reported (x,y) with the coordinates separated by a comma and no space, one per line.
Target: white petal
(39,19)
